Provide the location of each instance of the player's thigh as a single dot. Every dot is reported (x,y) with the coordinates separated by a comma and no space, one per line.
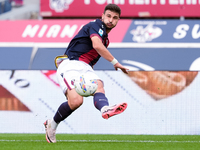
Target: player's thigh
(74,99)
(66,73)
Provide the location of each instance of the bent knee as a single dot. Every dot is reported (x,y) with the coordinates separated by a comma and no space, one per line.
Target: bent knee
(100,88)
(76,103)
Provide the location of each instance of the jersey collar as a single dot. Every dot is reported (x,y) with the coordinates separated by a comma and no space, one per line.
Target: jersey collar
(102,24)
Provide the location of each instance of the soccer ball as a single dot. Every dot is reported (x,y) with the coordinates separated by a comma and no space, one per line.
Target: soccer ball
(85,86)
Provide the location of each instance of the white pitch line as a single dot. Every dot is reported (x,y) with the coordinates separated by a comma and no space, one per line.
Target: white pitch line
(103,141)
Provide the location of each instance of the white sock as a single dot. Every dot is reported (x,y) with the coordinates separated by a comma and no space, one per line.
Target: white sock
(53,124)
(104,108)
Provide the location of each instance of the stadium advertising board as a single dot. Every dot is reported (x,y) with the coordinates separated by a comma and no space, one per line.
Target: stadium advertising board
(130,8)
(165,31)
(50,31)
(127,31)
(146,59)
(141,45)
(159,102)
(162,91)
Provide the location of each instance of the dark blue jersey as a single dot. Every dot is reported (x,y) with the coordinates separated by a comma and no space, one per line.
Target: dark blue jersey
(80,47)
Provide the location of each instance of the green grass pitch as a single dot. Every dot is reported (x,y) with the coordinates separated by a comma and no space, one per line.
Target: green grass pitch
(99,142)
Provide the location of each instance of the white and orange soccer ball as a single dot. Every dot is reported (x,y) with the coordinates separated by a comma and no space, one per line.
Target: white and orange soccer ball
(85,86)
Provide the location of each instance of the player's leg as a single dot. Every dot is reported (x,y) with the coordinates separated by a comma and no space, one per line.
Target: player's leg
(74,101)
(99,98)
(101,103)
(65,109)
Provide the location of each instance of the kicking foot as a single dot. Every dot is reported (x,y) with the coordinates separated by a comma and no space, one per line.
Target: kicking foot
(110,111)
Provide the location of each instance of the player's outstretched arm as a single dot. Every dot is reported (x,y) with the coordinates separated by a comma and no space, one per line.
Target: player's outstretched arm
(103,51)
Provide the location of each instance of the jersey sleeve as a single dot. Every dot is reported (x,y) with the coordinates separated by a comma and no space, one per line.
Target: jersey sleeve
(95,30)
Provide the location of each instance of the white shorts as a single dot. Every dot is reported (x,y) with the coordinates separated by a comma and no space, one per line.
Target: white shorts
(68,70)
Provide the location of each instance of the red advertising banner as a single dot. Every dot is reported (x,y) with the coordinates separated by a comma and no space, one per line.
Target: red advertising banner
(52,31)
(130,8)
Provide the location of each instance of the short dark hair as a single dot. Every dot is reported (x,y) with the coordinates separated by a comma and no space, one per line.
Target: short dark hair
(113,7)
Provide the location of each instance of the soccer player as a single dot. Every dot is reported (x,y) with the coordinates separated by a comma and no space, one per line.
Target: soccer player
(81,55)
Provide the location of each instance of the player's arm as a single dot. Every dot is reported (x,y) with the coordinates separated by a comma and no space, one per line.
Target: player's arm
(103,51)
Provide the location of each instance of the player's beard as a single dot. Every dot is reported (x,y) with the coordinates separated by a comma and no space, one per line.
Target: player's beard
(108,28)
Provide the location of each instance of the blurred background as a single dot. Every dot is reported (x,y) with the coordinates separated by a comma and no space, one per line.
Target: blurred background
(158,40)
(19,9)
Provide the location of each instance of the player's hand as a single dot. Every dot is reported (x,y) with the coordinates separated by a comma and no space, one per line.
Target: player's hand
(118,65)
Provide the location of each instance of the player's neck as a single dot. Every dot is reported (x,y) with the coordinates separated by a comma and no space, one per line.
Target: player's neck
(108,30)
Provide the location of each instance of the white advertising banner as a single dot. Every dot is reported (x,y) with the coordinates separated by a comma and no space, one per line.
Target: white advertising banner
(159,102)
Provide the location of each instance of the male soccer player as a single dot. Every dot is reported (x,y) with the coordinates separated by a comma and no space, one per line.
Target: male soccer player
(83,52)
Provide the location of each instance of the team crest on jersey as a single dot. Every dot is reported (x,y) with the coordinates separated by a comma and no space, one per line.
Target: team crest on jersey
(100,32)
(60,5)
